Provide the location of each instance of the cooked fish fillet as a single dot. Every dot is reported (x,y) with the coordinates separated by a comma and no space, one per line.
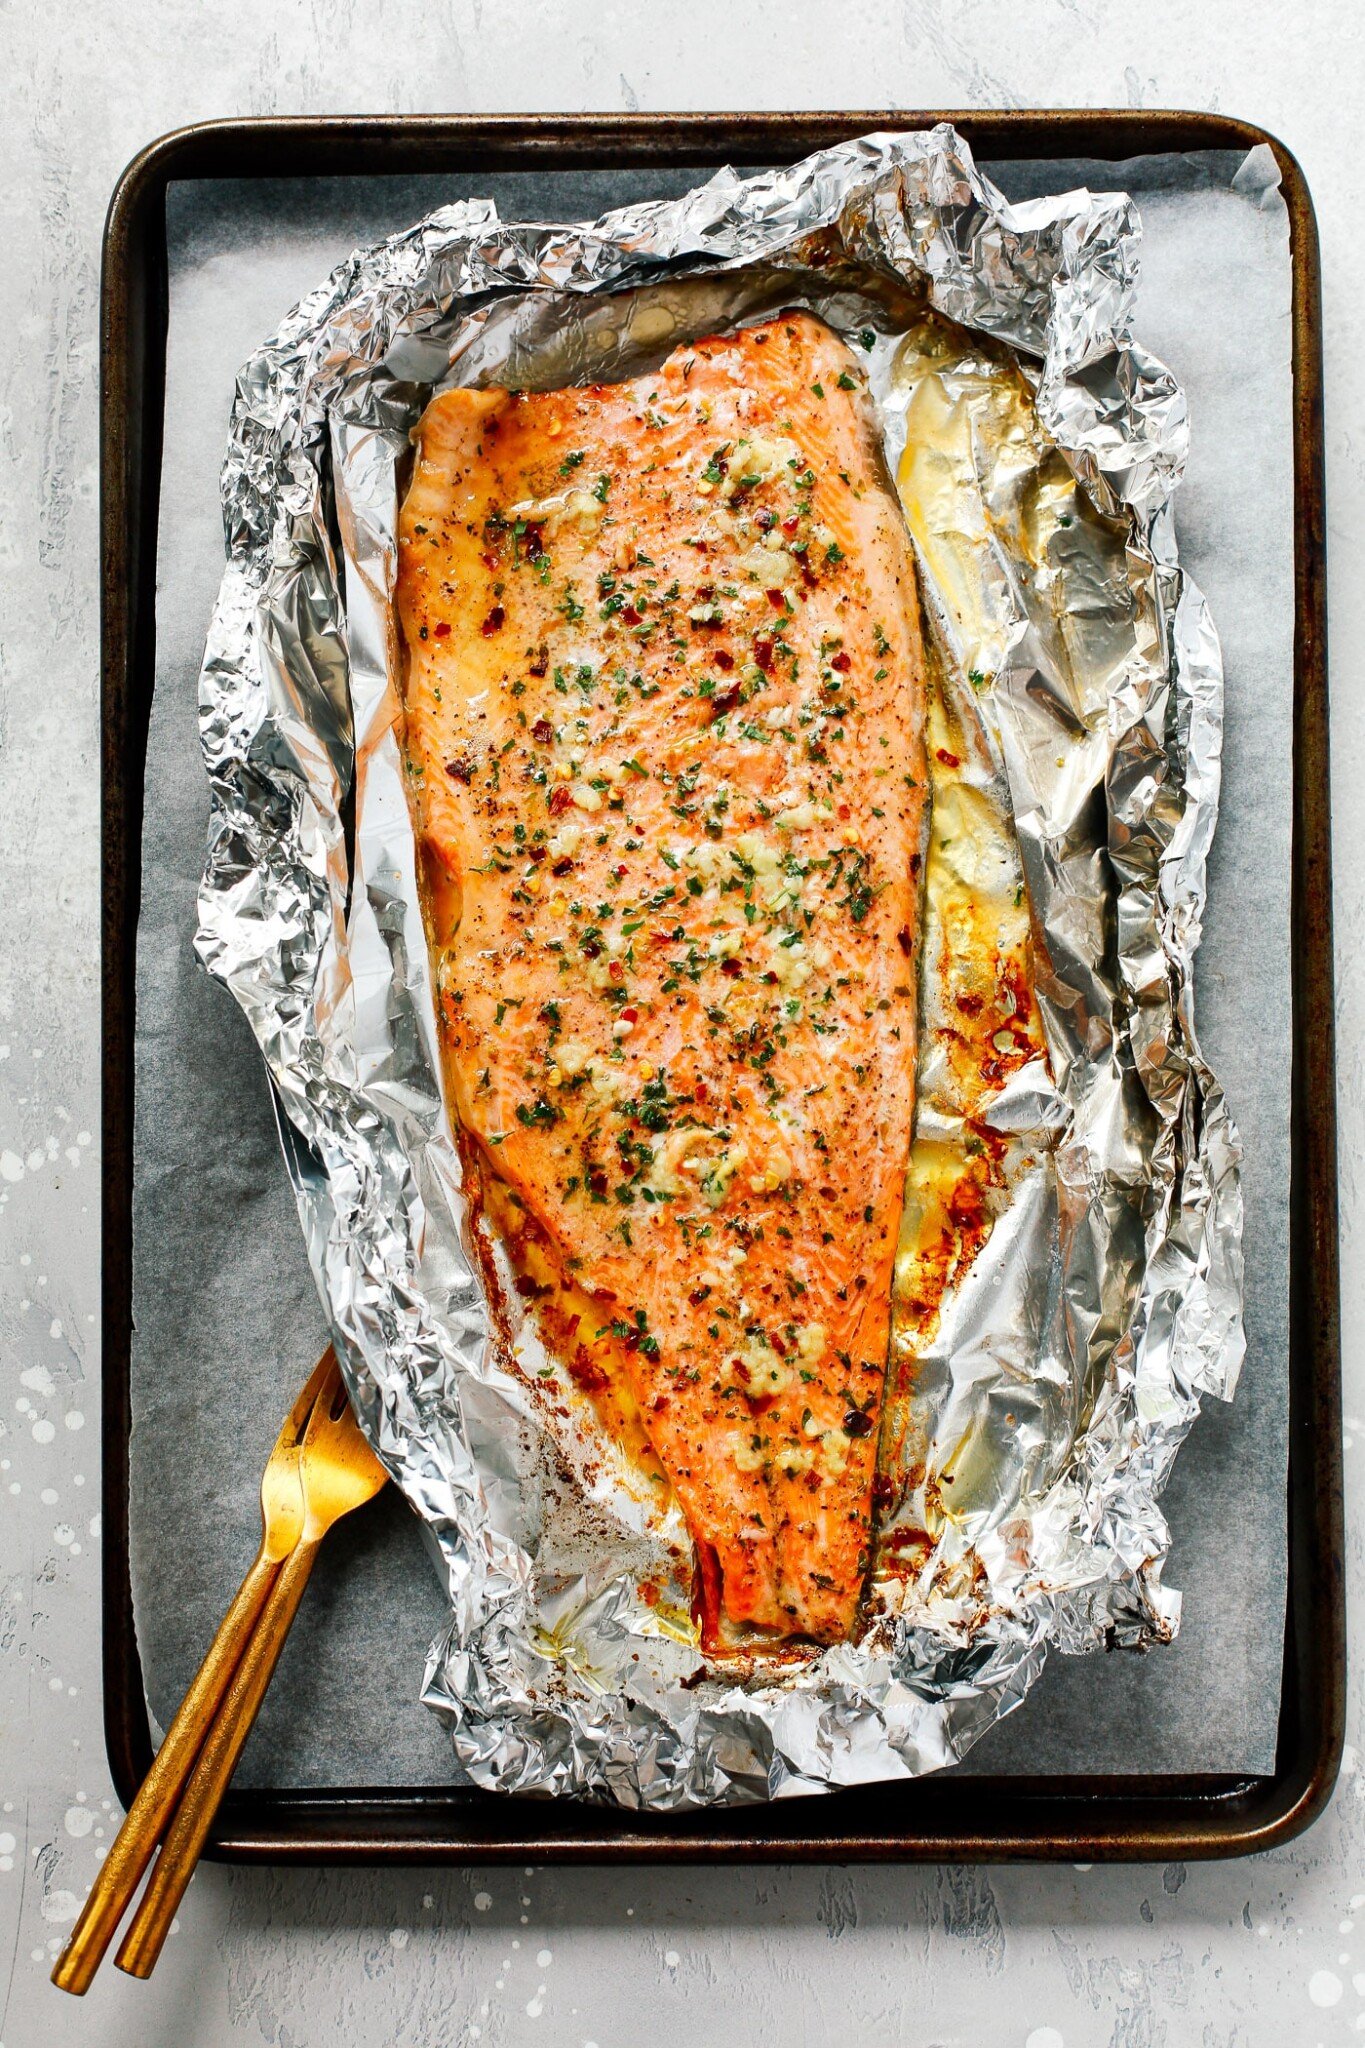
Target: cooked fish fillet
(665,704)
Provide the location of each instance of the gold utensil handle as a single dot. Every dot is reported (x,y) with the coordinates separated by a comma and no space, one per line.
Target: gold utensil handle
(146,1818)
(218,1759)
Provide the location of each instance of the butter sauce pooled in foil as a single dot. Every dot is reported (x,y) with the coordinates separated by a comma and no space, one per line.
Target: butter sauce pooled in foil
(1067,1278)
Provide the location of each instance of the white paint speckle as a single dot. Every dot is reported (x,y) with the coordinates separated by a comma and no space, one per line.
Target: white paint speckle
(60,1906)
(7,1843)
(399,1937)
(38,1380)
(48,1496)
(43,1431)
(1044,2037)
(1324,1988)
(11,1166)
(671,1958)
(536,2006)
(74,1419)
(544,1959)
(482,1901)
(79,1821)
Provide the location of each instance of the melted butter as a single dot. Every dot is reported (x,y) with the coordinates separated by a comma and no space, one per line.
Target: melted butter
(980,1016)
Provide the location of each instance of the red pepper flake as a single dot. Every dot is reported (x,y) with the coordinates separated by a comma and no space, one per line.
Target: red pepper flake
(492,624)
(765,520)
(617,973)
(706,591)
(857,1424)
(903,941)
(699,1294)
(630,615)
(541,663)
(562,867)
(443,630)
(628,1015)
(722,659)
(699,1092)
(845,812)
(534,541)
(790,525)
(725,701)
(535,853)
(841,662)
(591,948)
(460,771)
(732,968)
(561,796)
(489,559)
(948,760)
(763,652)
(621,871)
(778,600)
(543,731)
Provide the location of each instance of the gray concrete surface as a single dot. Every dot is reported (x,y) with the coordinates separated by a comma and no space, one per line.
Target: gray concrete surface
(1249,1955)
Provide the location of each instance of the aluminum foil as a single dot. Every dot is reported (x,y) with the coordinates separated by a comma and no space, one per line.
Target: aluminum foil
(1053,1338)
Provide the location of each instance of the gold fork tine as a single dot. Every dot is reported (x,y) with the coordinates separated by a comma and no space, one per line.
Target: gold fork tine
(281,1526)
(339,1472)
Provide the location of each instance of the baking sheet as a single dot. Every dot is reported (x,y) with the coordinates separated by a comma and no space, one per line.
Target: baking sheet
(221,1345)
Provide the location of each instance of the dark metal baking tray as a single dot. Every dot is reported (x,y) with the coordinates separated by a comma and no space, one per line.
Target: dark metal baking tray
(971,1819)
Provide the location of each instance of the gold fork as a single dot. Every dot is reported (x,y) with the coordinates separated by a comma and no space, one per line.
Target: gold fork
(339,1472)
(217,1698)
(121,1871)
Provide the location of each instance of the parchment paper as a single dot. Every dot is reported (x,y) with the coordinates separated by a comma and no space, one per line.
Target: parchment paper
(227,1321)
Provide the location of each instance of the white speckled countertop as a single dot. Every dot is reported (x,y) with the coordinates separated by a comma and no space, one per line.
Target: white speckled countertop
(1245,1955)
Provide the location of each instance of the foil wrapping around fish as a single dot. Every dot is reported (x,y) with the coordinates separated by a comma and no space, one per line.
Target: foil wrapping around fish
(1068,1278)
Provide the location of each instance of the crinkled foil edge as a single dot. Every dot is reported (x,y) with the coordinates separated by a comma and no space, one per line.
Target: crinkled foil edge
(315,928)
